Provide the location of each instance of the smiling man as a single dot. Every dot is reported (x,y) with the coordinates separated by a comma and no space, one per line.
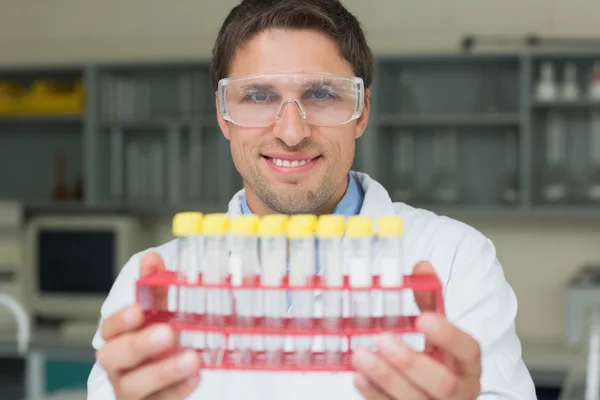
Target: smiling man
(291,81)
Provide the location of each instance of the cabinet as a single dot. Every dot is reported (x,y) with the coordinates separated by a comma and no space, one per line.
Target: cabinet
(458,133)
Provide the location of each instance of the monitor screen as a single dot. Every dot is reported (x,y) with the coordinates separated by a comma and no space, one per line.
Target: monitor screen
(75,261)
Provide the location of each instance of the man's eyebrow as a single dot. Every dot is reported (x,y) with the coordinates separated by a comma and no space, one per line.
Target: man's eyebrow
(257,86)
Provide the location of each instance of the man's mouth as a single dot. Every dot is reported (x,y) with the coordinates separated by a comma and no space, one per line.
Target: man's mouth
(291,163)
(284,163)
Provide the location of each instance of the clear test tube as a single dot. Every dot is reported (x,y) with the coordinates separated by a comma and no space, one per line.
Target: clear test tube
(359,234)
(273,266)
(301,236)
(187,227)
(243,266)
(391,244)
(215,264)
(330,233)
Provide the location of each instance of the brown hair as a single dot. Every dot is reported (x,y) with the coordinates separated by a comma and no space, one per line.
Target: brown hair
(330,17)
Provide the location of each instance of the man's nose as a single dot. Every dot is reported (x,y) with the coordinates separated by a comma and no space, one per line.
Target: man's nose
(291,127)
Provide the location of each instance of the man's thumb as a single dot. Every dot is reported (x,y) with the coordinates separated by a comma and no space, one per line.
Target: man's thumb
(425,299)
(153,262)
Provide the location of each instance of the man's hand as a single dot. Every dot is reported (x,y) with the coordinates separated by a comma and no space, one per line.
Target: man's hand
(130,355)
(397,372)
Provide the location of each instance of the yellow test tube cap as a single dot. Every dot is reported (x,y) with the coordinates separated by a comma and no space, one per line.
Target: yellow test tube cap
(187,223)
(359,226)
(330,226)
(273,225)
(301,225)
(216,224)
(392,225)
(245,225)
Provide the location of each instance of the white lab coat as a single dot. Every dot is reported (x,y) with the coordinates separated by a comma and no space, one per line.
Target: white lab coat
(478,300)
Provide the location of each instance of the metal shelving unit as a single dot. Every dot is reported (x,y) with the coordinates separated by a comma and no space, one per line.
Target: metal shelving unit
(464,131)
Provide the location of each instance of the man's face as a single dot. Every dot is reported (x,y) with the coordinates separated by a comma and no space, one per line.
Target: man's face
(265,157)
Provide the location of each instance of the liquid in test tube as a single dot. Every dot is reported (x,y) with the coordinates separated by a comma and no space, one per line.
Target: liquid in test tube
(330,233)
(390,232)
(216,268)
(188,228)
(243,264)
(359,235)
(273,262)
(301,236)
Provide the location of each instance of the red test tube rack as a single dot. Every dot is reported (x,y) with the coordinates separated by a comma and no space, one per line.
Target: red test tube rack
(220,333)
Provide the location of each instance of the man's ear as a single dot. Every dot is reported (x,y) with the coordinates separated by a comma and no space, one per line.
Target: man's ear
(363,120)
(222,122)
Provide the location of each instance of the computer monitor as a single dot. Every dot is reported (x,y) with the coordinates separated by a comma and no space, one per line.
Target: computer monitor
(72,261)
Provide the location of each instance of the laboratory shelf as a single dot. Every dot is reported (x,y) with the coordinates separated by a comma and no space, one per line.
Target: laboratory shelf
(463,132)
(433,120)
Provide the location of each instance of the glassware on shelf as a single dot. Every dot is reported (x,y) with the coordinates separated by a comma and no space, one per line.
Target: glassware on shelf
(570,86)
(403,167)
(445,180)
(556,184)
(510,190)
(593,184)
(60,191)
(594,88)
(133,171)
(546,86)
(489,103)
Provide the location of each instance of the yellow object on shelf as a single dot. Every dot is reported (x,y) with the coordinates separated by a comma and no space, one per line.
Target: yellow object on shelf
(10,94)
(41,98)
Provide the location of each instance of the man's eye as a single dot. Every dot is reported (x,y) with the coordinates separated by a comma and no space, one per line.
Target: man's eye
(322,94)
(259,96)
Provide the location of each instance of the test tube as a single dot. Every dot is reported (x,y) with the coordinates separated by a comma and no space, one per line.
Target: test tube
(273,260)
(330,233)
(243,267)
(188,228)
(390,231)
(216,267)
(301,235)
(359,257)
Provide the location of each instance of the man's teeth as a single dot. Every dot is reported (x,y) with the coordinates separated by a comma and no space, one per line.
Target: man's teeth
(288,164)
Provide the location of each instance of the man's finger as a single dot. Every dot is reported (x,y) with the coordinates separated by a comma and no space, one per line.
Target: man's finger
(124,321)
(382,375)
(159,375)
(425,299)
(153,262)
(421,370)
(452,341)
(368,391)
(178,391)
(127,351)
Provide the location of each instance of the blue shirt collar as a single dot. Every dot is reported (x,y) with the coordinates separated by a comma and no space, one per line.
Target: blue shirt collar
(350,204)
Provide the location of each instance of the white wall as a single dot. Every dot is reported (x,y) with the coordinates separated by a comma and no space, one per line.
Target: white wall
(64,30)
(538,256)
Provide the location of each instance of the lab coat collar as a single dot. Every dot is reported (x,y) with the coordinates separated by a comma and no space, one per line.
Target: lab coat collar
(376,202)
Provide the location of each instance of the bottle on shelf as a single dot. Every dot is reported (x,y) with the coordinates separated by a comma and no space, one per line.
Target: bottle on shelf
(546,86)
(445,181)
(594,87)
(593,184)
(403,164)
(556,186)
(510,190)
(570,86)
(60,191)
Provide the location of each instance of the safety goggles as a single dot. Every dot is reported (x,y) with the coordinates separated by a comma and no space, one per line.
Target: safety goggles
(322,99)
